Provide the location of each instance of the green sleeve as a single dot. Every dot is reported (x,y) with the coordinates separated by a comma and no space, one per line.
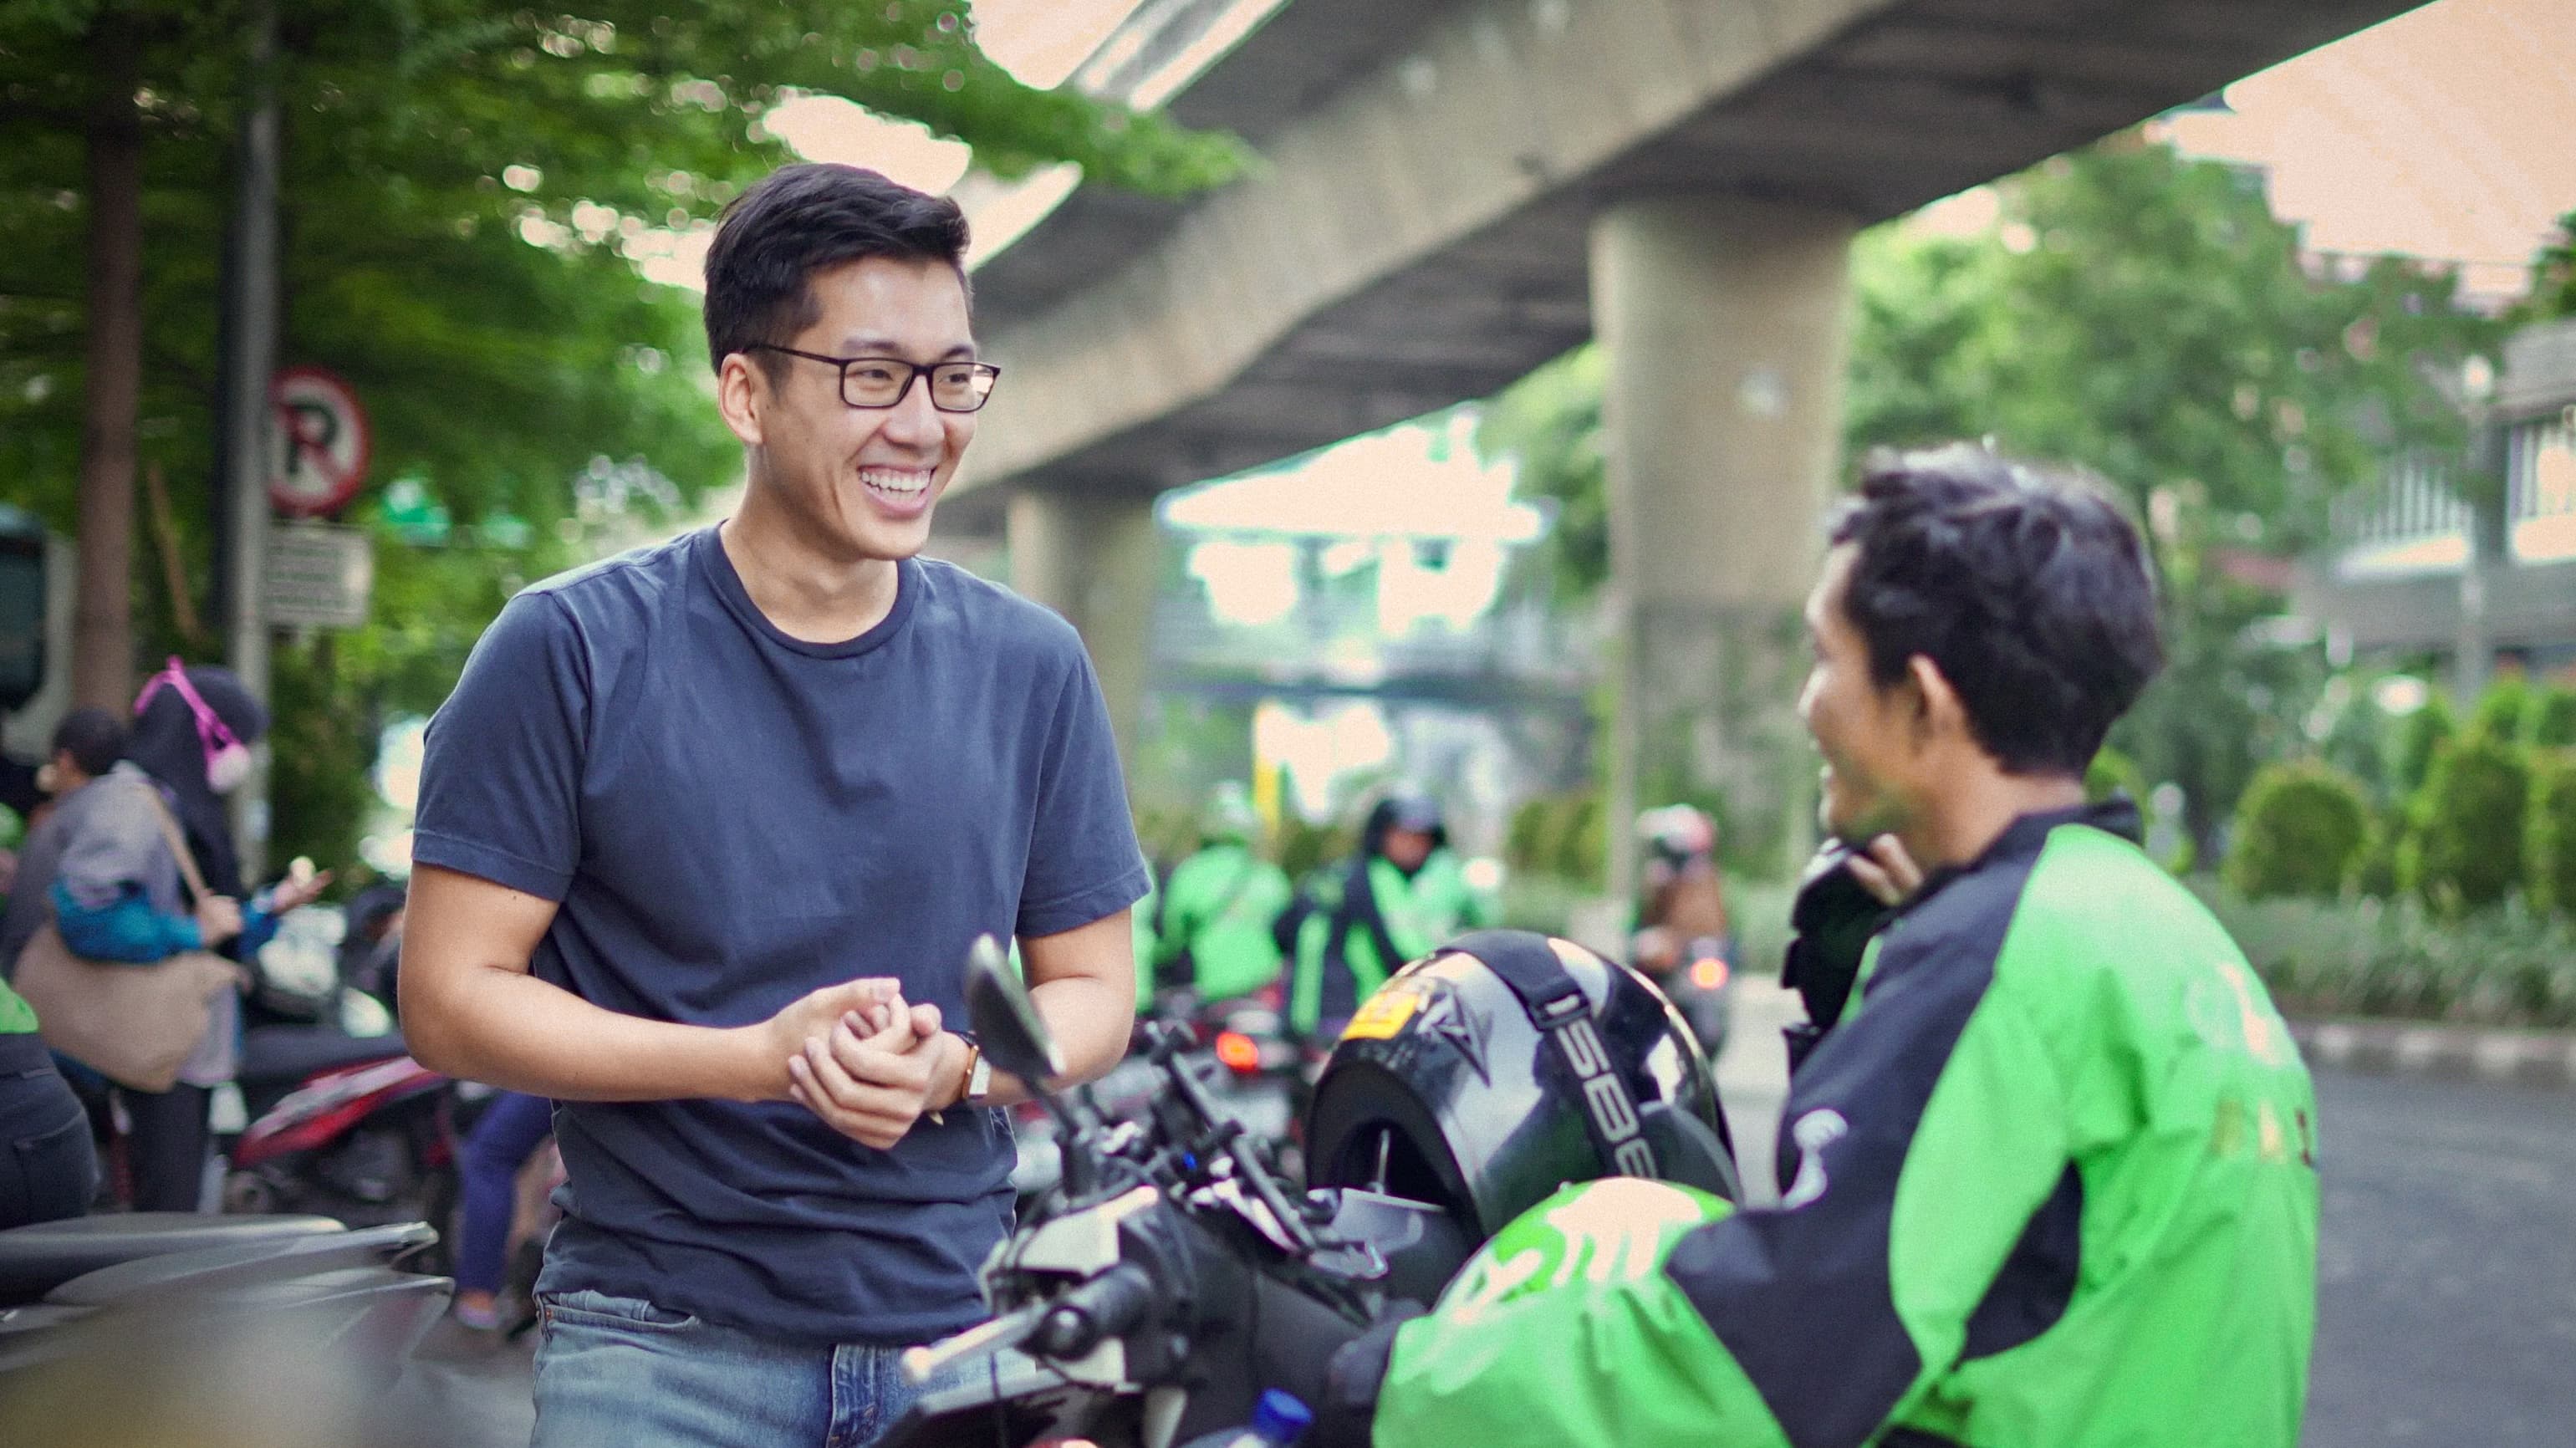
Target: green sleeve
(1565,1332)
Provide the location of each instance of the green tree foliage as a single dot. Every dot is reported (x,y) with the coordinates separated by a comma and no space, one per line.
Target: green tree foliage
(2550,837)
(2553,277)
(2467,850)
(1549,423)
(467,190)
(2299,831)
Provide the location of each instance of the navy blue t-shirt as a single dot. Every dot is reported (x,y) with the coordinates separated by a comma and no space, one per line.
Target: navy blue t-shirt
(731,818)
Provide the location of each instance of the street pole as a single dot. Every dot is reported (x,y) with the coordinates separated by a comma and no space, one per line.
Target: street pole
(250,361)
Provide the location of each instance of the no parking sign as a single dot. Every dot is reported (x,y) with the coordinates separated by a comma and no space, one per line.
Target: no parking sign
(318,452)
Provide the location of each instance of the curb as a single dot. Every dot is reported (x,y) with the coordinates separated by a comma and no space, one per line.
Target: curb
(2456,1053)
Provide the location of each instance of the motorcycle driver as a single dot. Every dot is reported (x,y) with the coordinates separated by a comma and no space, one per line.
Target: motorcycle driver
(2050,1180)
(1401,894)
(1213,931)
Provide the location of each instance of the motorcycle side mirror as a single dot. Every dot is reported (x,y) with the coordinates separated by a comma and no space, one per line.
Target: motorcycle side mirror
(1006,1021)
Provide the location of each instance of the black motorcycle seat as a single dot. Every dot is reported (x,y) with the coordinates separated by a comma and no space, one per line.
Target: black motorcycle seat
(34,1260)
(242,1265)
(283,1054)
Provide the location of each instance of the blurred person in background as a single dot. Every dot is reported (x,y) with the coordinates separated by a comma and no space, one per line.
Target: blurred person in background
(1683,938)
(1214,931)
(86,744)
(1400,895)
(51,1170)
(107,879)
(513,1125)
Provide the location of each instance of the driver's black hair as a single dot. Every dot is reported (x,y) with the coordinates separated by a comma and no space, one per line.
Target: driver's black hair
(803,218)
(2029,590)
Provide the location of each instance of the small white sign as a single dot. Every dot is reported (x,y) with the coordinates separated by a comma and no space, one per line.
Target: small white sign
(319,576)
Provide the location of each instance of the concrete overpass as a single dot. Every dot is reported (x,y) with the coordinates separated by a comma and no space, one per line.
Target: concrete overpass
(1453,191)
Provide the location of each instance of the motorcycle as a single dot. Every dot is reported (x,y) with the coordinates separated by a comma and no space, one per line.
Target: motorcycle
(1169,1275)
(1236,1049)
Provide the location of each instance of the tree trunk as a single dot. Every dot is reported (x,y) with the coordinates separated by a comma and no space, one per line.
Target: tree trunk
(103,620)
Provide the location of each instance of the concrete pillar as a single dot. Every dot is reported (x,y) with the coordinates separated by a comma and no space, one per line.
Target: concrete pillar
(1094,559)
(1725,325)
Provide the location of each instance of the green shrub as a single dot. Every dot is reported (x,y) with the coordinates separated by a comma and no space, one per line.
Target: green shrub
(2500,967)
(1525,839)
(2468,845)
(2299,831)
(2419,737)
(2553,719)
(1559,835)
(2504,709)
(1583,847)
(2550,837)
(2377,873)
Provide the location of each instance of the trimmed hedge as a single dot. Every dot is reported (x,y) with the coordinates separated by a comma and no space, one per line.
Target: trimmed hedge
(2550,834)
(2300,829)
(2553,719)
(2467,850)
(2420,736)
(2501,967)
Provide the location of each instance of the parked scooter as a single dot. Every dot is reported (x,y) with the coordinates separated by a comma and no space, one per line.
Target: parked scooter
(340,1120)
(58,1278)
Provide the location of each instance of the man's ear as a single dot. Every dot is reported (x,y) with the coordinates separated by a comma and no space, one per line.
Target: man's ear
(1938,714)
(742,395)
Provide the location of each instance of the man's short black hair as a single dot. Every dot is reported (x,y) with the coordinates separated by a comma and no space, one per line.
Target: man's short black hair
(2030,591)
(798,220)
(94,737)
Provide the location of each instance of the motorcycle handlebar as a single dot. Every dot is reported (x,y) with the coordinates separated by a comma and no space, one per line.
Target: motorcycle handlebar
(1105,1306)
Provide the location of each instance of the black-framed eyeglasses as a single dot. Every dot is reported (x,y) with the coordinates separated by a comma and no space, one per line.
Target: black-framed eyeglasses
(881,382)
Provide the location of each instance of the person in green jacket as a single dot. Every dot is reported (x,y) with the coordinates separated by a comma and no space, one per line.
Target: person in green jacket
(1214,930)
(2051,1179)
(1403,893)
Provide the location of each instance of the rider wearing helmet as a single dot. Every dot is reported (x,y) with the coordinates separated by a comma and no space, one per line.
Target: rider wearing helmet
(1683,937)
(2051,1178)
(1213,932)
(1401,894)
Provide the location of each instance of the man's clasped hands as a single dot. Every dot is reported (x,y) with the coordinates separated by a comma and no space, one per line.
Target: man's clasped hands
(869,1064)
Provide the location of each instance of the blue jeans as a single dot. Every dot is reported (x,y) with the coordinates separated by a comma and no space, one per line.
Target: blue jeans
(488,1170)
(614,1372)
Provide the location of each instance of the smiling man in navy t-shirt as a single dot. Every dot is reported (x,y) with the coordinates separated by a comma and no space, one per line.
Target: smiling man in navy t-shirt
(705,832)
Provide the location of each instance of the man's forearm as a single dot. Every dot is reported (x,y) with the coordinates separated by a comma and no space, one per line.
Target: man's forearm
(1089,1020)
(512,1030)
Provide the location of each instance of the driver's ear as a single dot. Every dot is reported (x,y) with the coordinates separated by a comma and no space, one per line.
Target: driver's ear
(1938,713)
(742,395)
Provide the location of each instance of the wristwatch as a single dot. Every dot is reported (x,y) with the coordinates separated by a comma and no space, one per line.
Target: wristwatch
(979,1080)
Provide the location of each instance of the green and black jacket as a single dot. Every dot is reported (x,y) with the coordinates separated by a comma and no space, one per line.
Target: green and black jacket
(2050,1184)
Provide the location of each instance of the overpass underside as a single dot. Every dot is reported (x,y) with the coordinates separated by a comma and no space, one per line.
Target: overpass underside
(1453,193)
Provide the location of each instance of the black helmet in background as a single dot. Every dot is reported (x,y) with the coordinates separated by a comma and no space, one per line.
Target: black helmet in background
(1403,809)
(1445,1089)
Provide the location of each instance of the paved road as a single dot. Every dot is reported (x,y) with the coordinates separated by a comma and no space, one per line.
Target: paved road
(2447,1314)
(2447,1266)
